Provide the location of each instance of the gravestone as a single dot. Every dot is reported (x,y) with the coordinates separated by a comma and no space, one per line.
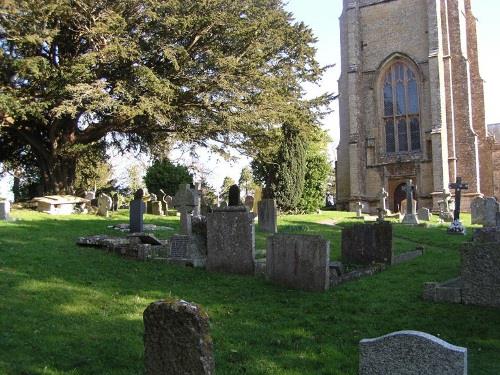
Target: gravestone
(367,243)
(424,214)
(267,213)
(184,203)
(249,201)
(410,217)
(4,209)
(445,205)
(137,208)
(179,246)
(169,201)
(480,273)
(231,240)
(197,199)
(89,195)
(382,196)
(177,339)
(161,198)
(298,261)
(491,207)
(456,226)
(411,353)
(156,208)
(104,205)
(234,196)
(477,210)
(359,209)
(115,200)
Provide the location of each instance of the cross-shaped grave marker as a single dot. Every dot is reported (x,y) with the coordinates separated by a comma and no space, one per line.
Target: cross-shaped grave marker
(456,226)
(411,215)
(383,198)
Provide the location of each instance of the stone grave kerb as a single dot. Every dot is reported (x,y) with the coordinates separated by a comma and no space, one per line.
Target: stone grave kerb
(184,202)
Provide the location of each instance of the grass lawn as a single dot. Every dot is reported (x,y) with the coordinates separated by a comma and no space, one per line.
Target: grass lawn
(71,310)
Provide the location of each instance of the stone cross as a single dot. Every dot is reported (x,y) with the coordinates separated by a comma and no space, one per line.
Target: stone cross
(409,197)
(458,186)
(184,202)
(383,198)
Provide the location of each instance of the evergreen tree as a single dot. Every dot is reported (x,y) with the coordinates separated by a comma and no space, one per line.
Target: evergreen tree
(143,73)
(246,181)
(224,189)
(165,175)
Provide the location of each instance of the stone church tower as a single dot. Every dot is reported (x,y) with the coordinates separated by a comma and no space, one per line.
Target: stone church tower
(411,103)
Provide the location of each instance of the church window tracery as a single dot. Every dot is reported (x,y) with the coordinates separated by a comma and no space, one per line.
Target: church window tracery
(401,109)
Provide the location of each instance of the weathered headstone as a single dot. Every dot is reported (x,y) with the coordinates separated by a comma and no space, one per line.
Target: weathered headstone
(4,209)
(267,212)
(234,196)
(184,203)
(177,339)
(367,243)
(480,273)
(410,217)
(156,208)
(137,208)
(104,204)
(161,198)
(424,214)
(230,240)
(456,226)
(491,207)
(249,200)
(445,204)
(169,201)
(411,353)
(197,199)
(298,261)
(115,203)
(477,210)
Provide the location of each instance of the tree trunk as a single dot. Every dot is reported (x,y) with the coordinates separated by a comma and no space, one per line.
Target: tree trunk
(58,175)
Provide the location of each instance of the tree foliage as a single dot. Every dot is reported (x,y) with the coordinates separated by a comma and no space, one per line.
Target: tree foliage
(143,73)
(318,171)
(246,182)
(282,172)
(224,189)
(165,175)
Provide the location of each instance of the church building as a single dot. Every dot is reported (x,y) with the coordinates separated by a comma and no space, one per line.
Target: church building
(411,103)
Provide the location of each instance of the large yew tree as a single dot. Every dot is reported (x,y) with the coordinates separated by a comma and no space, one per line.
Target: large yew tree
(79,73)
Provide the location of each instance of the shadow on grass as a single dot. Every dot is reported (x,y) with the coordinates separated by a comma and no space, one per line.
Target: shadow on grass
(76,310)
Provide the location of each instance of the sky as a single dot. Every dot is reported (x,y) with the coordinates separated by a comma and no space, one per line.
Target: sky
(322,17)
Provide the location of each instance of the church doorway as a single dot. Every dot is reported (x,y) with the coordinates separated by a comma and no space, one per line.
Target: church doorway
(399,196)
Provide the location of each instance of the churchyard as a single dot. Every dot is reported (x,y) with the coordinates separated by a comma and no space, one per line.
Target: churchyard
(79,310)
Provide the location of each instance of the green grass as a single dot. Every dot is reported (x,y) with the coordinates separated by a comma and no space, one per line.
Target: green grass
(71,310)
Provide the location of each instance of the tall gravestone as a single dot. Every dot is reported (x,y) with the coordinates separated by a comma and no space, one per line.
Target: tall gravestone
(4,209)
(231,240)
(115,203)
(197,192)
(410,217)
(234,196)
(161,198)
(298,261)
(367,243)
(137,209)
(184,202)
(411,353)
(267,213)
(104,205)
(177,339)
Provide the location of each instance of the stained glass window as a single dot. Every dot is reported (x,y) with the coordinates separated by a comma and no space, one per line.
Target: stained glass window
(401,109)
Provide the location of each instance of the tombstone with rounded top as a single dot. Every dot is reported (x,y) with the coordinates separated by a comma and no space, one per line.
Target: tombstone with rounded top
(234,195)
(104,205)
(411,353)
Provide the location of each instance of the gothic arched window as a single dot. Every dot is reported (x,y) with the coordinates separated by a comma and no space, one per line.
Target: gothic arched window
(401,109)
